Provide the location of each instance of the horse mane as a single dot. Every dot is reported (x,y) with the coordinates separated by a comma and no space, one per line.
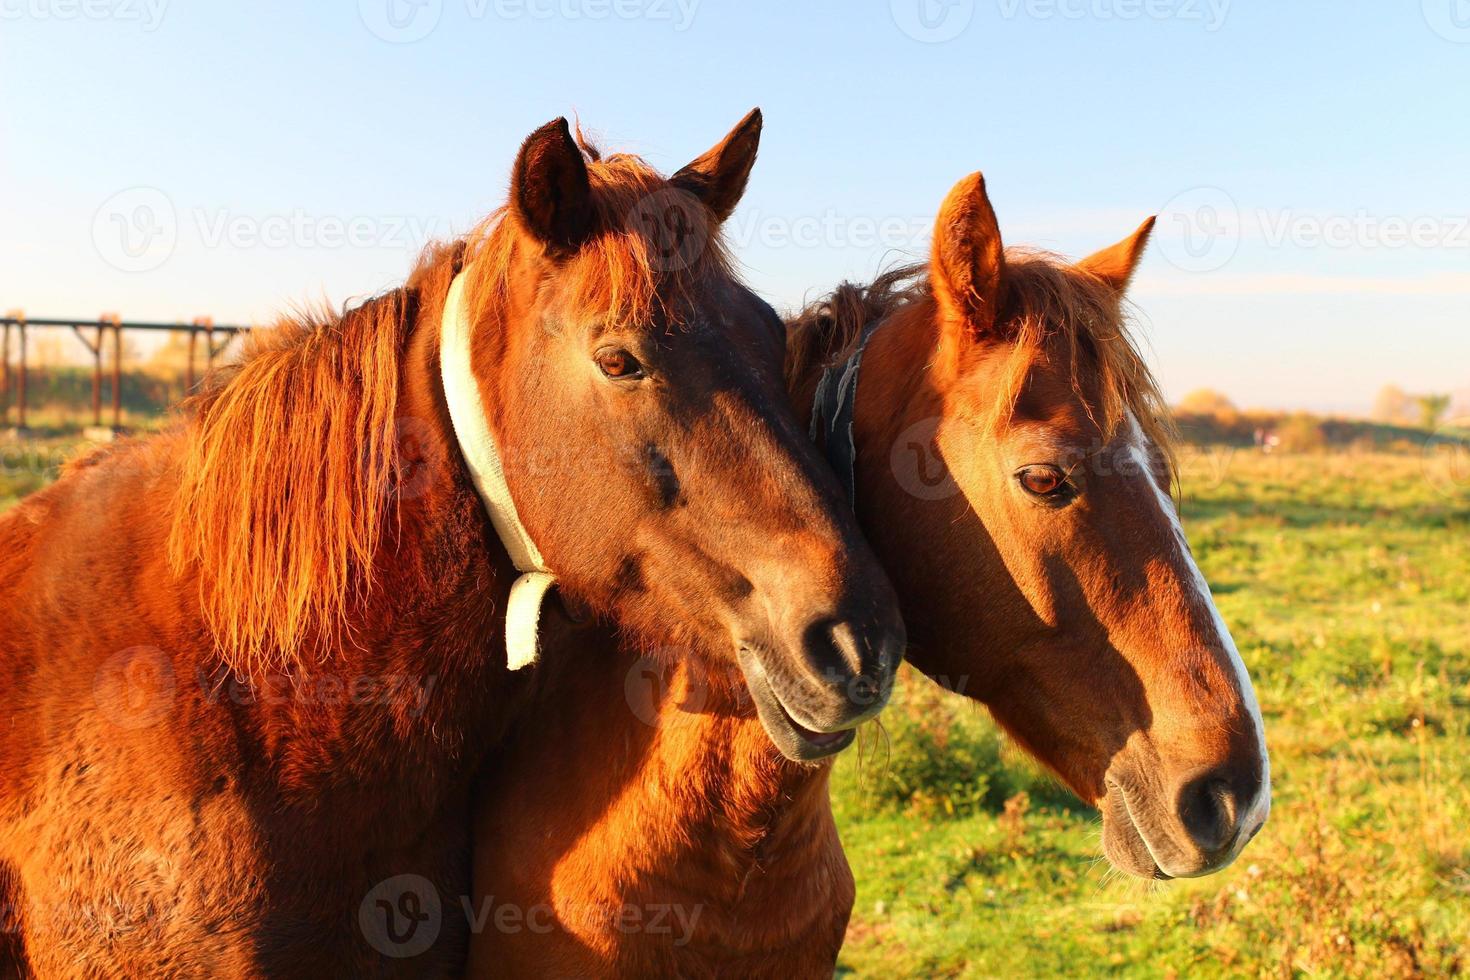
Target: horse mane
(285,482)
(289,474)
(827,330)
(1053,310)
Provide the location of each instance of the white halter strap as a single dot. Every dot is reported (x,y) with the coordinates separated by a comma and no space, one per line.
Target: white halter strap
(477,445)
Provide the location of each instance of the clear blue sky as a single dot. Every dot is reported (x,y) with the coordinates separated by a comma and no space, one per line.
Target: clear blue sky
(264,134)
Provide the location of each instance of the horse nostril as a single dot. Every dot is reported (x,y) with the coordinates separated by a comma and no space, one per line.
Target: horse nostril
(1209,811)
(853,663)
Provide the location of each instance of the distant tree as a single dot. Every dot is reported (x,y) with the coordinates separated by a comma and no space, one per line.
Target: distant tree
(1393,406)
(1431,409)
(49,350)
(171,356)
(1207,401)
(1301,433)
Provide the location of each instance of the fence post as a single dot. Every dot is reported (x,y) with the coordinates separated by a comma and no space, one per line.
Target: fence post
(5,372)
(116,371)
(209,343)
(20,386)
(94,347)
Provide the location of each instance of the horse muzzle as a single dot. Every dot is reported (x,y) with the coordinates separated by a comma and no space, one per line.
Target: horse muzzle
(828,677)
(1183,827)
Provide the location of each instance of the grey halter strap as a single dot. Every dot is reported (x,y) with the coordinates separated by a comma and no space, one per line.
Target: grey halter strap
(832,413)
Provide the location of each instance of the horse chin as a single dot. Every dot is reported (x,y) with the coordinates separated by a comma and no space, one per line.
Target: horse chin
(792,739)
(1123,842)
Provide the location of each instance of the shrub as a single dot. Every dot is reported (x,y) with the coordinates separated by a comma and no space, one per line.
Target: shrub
(940,755)
(1301,433)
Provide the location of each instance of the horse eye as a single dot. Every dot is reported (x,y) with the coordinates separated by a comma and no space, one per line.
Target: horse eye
(1043,481)
(618,363)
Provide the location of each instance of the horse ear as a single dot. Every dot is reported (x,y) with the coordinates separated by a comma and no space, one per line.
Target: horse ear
(967,267)
(718,177)
(1114,265)
(549,191)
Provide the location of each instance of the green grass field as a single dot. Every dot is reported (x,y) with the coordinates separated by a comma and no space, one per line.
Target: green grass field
(1343,577)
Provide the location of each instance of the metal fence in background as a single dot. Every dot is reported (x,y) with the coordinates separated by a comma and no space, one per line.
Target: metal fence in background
(15,369)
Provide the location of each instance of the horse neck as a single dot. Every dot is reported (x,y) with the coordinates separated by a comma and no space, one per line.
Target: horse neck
(426,629)
(688,795)
(901,400)
(710,757)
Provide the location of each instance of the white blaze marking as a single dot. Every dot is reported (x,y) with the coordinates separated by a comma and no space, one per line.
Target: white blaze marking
(1255,814)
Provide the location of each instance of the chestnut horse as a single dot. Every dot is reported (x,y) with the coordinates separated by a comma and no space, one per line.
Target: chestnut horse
(253,664)
(1010,463)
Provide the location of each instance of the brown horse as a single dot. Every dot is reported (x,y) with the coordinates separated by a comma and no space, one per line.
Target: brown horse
(253,664)
(1011,466)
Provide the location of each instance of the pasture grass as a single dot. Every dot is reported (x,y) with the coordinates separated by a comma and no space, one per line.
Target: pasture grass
(30,461)
(1343,578)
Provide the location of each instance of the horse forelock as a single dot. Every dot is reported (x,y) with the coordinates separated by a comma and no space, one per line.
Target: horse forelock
(632,270)
(1060,315)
